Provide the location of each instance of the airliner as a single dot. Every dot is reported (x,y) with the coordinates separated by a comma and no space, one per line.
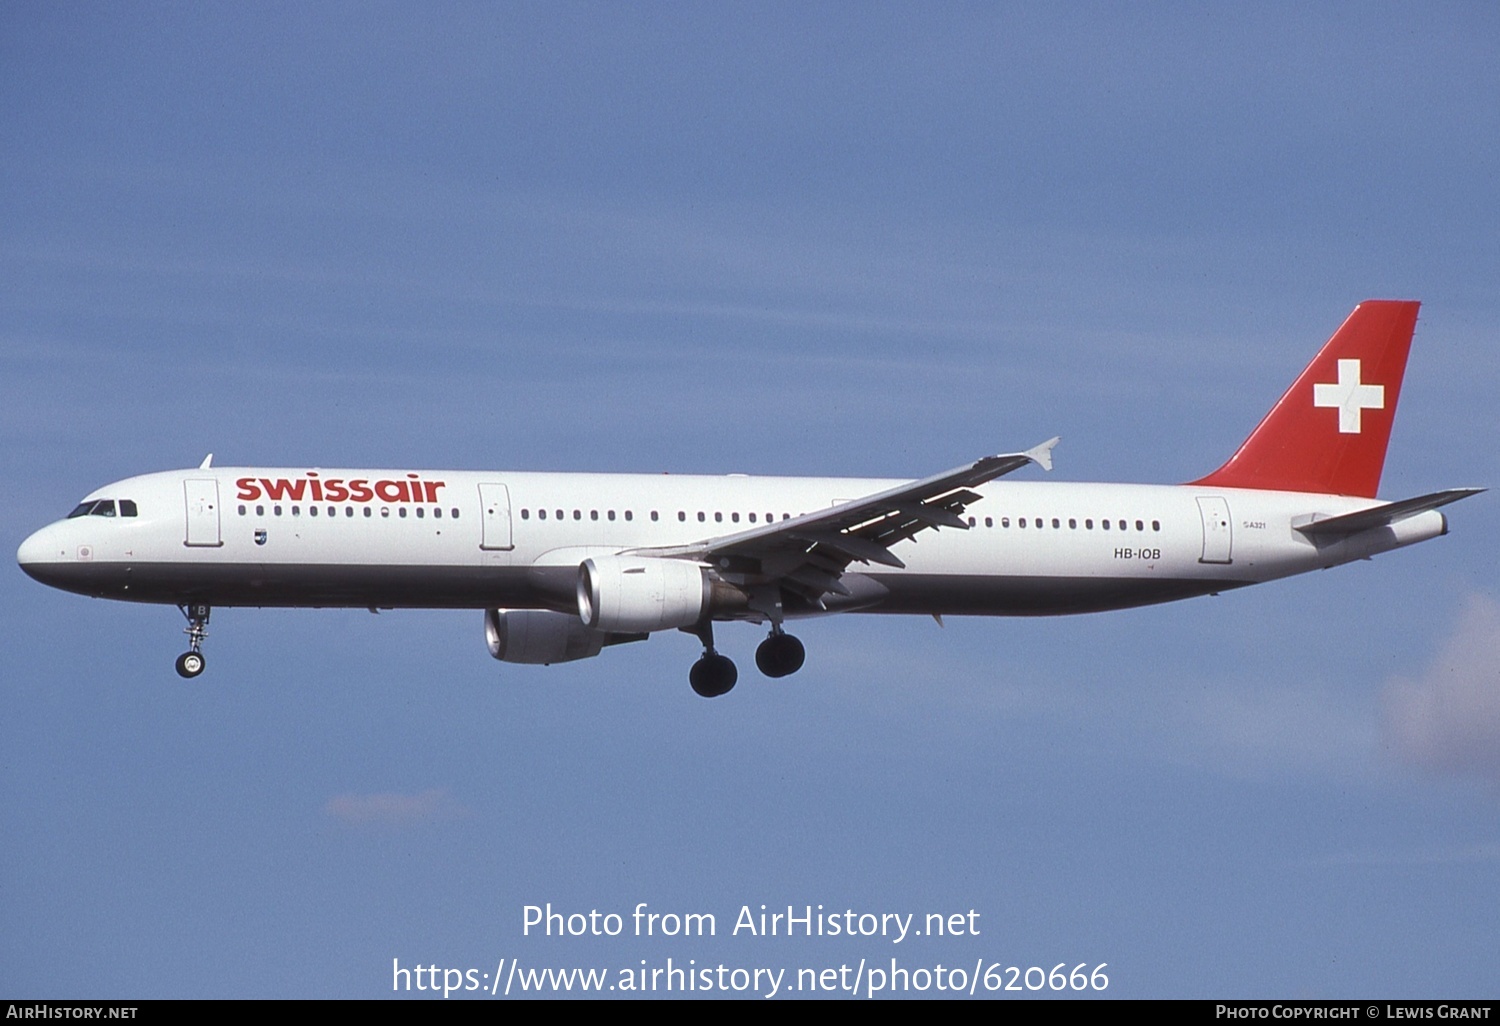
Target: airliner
(564,565)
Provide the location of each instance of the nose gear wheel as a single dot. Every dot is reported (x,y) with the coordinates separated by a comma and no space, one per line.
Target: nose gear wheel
(191,662)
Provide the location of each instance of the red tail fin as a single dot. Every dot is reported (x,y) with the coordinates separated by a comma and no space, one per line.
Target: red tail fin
(1329,432)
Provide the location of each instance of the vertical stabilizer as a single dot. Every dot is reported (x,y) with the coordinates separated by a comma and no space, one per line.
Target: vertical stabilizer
(1329,432)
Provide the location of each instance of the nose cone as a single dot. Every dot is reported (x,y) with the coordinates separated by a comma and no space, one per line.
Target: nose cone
(41,552)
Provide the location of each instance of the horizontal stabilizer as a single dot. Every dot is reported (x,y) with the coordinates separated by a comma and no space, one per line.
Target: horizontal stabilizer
(1384,516)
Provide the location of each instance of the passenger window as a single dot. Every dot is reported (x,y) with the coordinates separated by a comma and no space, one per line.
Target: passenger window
(276,509)
(525,514)
(1056,522)
(700,516)
(1021,522)
(1072,524)
(1122,525)
(734,517)
(296,511)
(1104,524)
(453,512)
(368,512)
(972,522)
(559,514)
(989,521)
(401,512)
(260,511)
(348,511)
(1139,526)
(654,517)
(385,511)
(682,516)
(1156,525)
(718,518)
(578,514)
(242,509)
(437,511)
(629,515)
(312,511)
(1005,521)
(593,514)
(752,518)
(541,514)
(421,512)
(1088,525)
(609,514)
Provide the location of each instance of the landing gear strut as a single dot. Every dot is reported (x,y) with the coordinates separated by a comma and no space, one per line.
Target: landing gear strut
(780,655)
(713,674)
(191,662)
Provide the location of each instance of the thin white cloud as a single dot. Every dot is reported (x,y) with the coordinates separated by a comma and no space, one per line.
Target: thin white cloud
(1448,719)
(393,809)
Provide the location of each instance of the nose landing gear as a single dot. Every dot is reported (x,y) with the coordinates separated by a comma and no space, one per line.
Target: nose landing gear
(191,662)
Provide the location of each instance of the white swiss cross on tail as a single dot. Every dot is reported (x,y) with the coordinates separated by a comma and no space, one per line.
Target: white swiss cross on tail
(1349,397)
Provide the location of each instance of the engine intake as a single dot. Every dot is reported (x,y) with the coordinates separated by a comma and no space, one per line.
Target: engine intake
(542,636)
(641,593)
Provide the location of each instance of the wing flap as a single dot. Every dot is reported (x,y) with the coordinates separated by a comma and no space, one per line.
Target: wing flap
(852,547)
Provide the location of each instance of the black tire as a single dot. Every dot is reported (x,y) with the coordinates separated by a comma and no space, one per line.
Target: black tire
(713,675)
(780,655)
(190,664)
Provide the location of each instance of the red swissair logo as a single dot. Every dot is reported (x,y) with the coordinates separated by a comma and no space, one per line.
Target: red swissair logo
(314,488)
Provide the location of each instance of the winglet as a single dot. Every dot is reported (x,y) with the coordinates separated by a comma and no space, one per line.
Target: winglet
(1042,454)
(208,461)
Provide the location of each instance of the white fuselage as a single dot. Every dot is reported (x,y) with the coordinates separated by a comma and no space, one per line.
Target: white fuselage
(461,539)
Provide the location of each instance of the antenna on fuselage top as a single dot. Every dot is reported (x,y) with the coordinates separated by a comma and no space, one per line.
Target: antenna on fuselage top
(208,461)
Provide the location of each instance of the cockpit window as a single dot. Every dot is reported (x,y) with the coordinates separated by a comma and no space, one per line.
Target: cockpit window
(102,508)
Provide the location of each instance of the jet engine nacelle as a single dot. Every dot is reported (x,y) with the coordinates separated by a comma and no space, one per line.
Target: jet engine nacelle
(539,636)
(641,593)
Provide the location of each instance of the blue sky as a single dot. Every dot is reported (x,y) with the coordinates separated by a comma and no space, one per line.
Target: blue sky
(874,240)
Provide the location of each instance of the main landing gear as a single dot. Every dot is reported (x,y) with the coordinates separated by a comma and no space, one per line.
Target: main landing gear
(191,662)
(780,655)
(713,674)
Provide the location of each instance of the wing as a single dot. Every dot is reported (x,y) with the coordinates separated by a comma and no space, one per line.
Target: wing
(808,554)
